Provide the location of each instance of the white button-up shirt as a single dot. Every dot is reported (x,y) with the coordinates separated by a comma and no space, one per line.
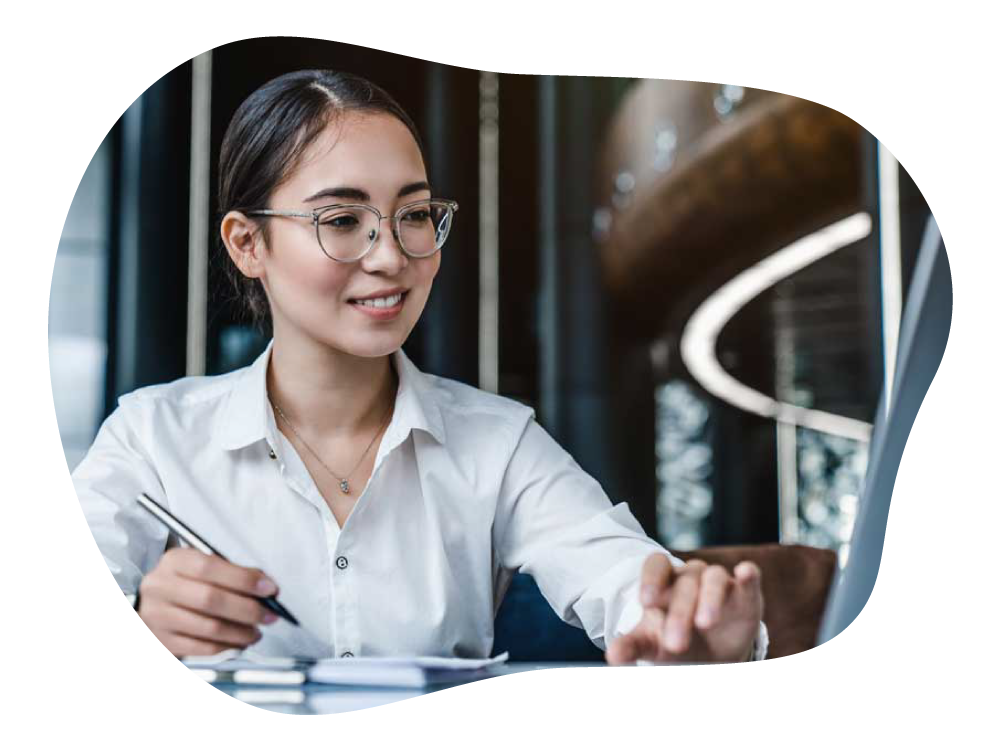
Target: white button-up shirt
(466,489)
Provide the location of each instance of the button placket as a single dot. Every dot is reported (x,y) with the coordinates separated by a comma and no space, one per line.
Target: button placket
(341,587)
(346,609)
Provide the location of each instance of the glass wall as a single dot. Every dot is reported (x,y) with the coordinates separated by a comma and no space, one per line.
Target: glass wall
(78,310)
(683,466)
(831,470)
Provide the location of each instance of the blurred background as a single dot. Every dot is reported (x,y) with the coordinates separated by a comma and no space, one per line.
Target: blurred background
(697,286)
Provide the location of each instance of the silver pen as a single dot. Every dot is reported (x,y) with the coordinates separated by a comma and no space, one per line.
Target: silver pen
(189,537)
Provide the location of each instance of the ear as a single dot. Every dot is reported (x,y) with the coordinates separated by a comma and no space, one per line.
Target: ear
(244,243)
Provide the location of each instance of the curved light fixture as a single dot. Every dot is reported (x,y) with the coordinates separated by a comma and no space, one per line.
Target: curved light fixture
(698,341)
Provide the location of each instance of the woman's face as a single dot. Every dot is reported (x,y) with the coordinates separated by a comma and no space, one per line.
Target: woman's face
(361,158)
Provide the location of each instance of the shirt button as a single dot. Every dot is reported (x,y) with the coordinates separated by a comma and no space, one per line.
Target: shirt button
(272,454)
(341,562)
(347,655)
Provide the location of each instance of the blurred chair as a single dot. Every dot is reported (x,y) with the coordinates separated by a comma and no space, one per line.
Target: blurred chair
(528,629)
(796,581)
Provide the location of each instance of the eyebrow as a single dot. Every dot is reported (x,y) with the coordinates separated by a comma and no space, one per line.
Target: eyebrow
(357,194)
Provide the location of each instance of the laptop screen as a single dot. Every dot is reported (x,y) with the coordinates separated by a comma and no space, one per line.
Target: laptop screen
(923,334)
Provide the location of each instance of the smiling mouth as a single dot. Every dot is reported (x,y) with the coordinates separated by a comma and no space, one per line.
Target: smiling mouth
(381,303)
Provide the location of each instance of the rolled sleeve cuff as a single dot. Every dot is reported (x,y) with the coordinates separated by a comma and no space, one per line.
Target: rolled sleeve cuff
(631,613)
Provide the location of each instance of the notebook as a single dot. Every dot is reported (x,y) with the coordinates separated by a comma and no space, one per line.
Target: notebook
(368,671)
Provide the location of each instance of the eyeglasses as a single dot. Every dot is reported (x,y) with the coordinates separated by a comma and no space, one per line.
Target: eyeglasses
(346,232)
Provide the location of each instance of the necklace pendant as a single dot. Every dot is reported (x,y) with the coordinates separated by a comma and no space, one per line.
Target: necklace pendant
(345,487)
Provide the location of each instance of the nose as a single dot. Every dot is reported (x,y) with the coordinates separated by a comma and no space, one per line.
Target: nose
(386,256)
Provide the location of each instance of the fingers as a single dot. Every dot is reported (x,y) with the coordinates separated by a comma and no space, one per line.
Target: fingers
(657,573)
(748,583)
(180,622)
(197,566)
(701,613)
(683,602)
(662,586)
(715,587)
(638,644)
(198,604)
(747,573)
(217,602)
(181,645)
(739,594)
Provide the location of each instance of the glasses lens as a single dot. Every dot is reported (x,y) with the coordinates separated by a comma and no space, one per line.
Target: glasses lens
(346,232)
(423,227)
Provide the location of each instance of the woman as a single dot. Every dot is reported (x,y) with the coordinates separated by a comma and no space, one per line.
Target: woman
(388,507)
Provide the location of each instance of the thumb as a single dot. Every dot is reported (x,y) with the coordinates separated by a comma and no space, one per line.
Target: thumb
(747,572)
(630,647)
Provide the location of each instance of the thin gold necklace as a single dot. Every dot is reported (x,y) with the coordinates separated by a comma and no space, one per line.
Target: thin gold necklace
(345,486)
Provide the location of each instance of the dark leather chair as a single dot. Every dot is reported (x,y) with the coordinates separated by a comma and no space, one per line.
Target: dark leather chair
(796,580)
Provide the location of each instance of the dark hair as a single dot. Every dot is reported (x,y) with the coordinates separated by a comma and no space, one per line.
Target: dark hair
(268,135)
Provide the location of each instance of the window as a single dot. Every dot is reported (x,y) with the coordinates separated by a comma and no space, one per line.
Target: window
(78,310)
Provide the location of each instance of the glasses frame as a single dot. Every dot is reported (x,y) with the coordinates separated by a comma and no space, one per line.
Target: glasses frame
(394,218)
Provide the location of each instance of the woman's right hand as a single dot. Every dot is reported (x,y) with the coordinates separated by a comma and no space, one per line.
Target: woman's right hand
(198,604)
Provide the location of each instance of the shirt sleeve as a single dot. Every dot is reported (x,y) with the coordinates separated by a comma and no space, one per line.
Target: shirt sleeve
(115,470)
(555,523)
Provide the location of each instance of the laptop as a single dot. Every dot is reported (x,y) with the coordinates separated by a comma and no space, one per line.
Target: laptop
(923,334)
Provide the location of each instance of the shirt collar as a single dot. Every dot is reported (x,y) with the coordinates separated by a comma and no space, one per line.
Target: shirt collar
(247,417)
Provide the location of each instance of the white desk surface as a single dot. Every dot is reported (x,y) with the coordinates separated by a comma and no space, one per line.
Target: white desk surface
(333,699)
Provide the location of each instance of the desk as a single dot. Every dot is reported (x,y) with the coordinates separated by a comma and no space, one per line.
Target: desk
(335,699)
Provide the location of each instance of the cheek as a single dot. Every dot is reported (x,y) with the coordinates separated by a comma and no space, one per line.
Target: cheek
(428,269)
(299,274)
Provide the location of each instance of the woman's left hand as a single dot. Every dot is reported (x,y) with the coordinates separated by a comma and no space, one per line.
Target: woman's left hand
(695,613)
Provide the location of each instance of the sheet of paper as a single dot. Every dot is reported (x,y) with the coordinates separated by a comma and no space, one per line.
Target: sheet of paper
(233,659)
(436,663)
(401,672)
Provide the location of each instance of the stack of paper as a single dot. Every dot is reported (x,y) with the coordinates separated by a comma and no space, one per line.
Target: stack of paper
(412,672)
(369,671)
(236,659)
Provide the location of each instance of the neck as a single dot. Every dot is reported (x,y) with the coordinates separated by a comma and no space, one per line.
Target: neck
(325,392)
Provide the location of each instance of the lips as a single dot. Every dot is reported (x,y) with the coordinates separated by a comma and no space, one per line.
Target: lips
(381,293)
(359,300)
(382,306)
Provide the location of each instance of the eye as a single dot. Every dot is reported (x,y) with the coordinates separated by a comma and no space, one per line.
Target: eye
(347,218)
(417,215)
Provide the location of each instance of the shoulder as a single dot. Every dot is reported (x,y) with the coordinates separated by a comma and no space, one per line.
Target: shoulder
(468,412)
(189,401)
(186,391)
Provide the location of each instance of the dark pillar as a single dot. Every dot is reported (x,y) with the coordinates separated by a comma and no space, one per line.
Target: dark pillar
(517,230)
(870,279)
(633,423)
(150,308)
(573,316)
(913,215)
(745,477)
(446,341)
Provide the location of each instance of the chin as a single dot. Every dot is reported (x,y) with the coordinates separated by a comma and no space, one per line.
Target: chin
(378,345)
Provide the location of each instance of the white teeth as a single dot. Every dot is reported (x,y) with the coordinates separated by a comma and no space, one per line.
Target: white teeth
(381,301)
